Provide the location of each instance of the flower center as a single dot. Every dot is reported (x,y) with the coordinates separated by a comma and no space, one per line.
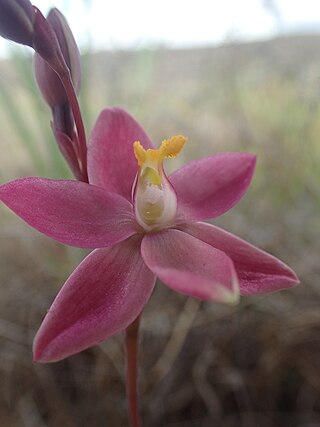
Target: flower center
(155,201)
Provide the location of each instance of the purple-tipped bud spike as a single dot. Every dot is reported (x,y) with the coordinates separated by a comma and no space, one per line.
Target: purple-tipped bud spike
(68,45)
(46,44)
(48,81)
(23,23)
(17,19)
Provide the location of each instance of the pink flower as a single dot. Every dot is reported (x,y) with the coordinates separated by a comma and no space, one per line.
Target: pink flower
(142,225)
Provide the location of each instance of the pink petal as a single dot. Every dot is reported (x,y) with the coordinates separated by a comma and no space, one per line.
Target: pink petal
(190,266)
(258,272)
(209,187)
(111,162)
(72,212)
(102,296)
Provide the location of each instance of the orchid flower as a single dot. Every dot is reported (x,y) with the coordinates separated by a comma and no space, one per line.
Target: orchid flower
(141,225)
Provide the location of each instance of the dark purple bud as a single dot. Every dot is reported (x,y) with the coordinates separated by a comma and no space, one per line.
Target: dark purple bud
(17,19)
(46,44)
(48,81)
(67,44)
(67,149)
(63,118)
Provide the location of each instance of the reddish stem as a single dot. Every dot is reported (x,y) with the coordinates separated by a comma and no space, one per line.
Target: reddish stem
(132,347)
(73,100)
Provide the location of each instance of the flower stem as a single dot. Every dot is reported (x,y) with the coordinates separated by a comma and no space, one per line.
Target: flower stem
(73,100)
(132,347)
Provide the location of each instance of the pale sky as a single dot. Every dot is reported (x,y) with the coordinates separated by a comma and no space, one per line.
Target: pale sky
(178,23)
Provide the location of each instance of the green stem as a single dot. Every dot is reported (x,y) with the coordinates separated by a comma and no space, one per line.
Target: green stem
(132,347)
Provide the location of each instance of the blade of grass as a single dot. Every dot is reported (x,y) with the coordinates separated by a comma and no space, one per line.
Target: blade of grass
(16,117)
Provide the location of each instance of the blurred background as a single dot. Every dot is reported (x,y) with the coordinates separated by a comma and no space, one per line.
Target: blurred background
(231,76)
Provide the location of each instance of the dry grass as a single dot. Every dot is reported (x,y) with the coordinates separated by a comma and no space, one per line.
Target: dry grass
(201,364)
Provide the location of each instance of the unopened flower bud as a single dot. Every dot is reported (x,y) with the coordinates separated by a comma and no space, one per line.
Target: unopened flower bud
(17,19)
(46,44)
(48,81)
(67,44)
(23,23)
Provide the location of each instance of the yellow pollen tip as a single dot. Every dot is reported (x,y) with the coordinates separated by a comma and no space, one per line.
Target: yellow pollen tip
(169,149)
(139,152)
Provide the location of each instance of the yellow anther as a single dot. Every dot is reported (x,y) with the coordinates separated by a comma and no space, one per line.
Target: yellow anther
(139,152)
(171,147)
